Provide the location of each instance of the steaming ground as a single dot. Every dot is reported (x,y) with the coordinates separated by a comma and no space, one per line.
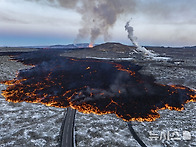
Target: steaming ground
(25,124)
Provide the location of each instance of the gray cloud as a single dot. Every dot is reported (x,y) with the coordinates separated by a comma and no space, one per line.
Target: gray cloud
(98,16)
(167,10)
(6,17)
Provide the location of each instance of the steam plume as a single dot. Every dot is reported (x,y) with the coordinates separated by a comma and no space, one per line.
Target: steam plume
(133,39)
(98,17)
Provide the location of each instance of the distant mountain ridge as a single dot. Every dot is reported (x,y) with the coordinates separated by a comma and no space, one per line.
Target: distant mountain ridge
(108,45)
(81,45)
(68,46)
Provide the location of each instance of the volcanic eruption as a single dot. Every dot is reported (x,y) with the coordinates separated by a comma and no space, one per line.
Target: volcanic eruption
(93,86)
(90,45)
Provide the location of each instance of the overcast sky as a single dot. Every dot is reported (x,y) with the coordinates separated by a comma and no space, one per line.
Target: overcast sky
(45,22)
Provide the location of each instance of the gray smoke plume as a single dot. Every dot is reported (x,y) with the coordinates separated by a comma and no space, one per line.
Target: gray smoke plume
(98,16)
(133,39)
(130,30)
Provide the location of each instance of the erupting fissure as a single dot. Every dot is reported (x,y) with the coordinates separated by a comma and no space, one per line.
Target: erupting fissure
(93,86)
(90,45)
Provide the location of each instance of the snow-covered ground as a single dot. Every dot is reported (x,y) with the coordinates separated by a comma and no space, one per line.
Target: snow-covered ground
(25,124)
(120,59)
(108,130)
(102,130)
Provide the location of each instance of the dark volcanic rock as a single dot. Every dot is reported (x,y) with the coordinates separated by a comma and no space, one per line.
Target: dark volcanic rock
(116,47)
(106,50)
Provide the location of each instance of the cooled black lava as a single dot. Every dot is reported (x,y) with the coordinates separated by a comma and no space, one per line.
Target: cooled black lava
(93,86)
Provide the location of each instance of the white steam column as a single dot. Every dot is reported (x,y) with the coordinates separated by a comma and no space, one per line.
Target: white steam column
(133,39)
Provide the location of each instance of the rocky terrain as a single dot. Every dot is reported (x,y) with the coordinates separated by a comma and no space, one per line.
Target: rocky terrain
(180,68)
(37,125)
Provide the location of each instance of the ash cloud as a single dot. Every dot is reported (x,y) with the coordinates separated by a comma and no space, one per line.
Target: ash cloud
(98,17)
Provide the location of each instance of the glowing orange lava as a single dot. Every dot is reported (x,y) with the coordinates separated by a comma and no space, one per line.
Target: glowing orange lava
(97,87)
(90,45)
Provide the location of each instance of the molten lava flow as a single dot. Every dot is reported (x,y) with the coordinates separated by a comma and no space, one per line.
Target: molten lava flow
(90,45)
(92,86)
(135,109)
